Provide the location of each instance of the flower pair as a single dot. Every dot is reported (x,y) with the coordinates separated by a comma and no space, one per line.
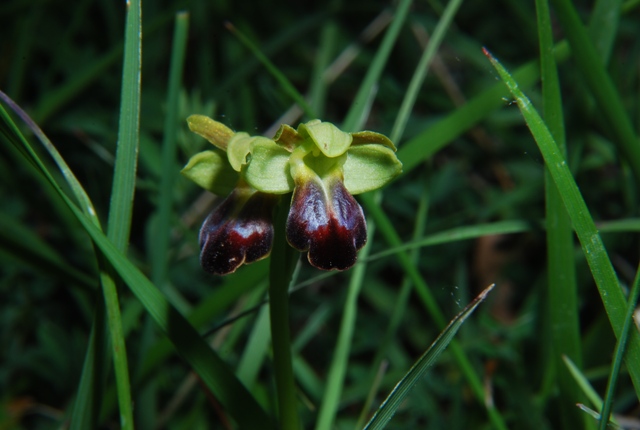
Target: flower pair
(323,167)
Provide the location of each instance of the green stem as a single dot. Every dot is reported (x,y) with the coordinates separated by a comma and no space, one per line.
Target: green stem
(283,259)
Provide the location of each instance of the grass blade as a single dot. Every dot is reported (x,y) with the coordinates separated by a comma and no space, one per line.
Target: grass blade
(124,174)
(359,105)
(214,372)
(421,70)
(603,26)
(81,415)
(284,82)
(399,310)
(603,273)
(562,286)
(587,389)
(392,402)
(422,289)
(600,83)
(619,354)
(443,132)
(121,205)
(169,168)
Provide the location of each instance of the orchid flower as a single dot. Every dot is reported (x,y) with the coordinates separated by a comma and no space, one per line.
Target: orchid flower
(323,167)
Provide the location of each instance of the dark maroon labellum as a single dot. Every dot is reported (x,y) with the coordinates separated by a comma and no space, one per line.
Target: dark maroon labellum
(238,231)
(332,228)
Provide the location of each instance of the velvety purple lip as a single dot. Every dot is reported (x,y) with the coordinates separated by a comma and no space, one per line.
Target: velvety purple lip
(332,228)
(236,233)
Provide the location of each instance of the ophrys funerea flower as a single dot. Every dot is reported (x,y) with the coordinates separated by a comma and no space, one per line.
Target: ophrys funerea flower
(323,167)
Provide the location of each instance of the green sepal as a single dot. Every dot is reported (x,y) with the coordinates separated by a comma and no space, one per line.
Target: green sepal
(369,167)
(212,171)
(268,168)
(214,131)
(364,137)
(329,139)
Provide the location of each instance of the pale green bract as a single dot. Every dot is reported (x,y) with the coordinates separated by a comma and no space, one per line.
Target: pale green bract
(366,160)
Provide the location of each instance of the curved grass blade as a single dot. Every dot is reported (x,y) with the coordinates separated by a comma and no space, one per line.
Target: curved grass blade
(81,414)
(214,372)
(390,405)
(596,255)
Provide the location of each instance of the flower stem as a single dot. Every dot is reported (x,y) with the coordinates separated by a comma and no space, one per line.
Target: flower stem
(283,259)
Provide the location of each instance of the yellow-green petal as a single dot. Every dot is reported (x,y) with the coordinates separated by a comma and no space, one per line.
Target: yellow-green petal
(268,168)
(369,167)
(329,139)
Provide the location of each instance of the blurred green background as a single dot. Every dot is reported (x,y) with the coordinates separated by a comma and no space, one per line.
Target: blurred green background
(62,63)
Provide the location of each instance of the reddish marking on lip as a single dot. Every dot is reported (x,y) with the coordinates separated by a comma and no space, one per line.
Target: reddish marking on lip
(236,233)
(332,231)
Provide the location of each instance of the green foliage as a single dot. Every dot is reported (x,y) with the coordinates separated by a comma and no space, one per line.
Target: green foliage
(107,319)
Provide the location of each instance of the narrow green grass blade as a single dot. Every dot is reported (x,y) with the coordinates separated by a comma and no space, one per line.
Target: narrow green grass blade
(443,132)
(395,398)
(318,90)
(359,105)
(23,244)
(421,70)
(399,309)
(619,354)
(23,49)
(562,288)
(603,26)
(108,285)
(160,249)
(256,349)
(121,204)
(284,82)
(426,296)
(596,255)
(87,407)
(459,233)
(124,175)
(280,41)
(212,369)
(335,379)
(585,386)
(600,83)
(56,98)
